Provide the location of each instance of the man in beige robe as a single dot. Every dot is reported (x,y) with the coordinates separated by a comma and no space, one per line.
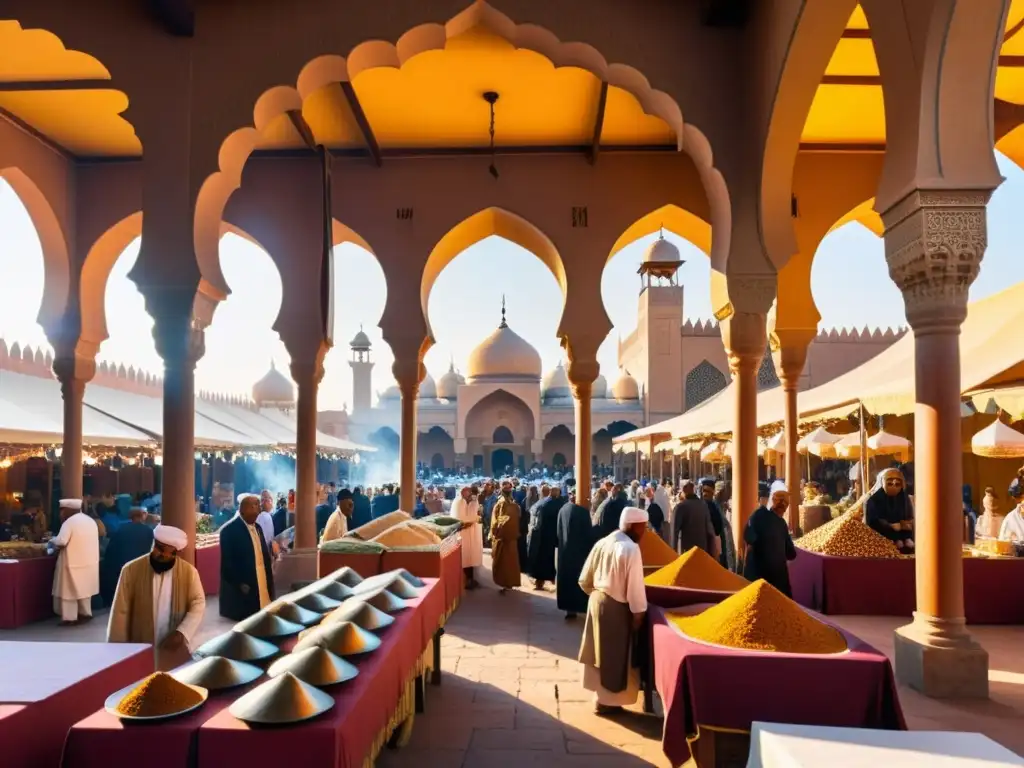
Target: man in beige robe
(504,541)
(337,523)
(159,600)
(613,577)
(77,576)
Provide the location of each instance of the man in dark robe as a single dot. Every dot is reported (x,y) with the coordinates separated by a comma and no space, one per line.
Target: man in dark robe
(384,503)
(768,544)
(543,538)
(361,514)
(691,524)
(131,540)
(246,578)
(610,511)
(888,510)
(707,493)
(280,517)
(575,540)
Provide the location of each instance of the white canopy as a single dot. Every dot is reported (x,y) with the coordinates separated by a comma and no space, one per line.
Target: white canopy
(820,442)
(998,441)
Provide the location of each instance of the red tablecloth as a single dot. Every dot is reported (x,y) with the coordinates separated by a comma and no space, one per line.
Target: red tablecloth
(886,587)
(35,716)
(208,565)
(679,597)
(702,685)
(364,565)
(26,588)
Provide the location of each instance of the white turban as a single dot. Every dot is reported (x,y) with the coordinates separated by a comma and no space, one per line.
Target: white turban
(171,536)
(631,515)
(70,503)
(243,496)
(778,487)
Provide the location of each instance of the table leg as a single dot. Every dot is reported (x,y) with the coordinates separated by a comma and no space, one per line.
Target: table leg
(435,674)
(402,733)
(421,693)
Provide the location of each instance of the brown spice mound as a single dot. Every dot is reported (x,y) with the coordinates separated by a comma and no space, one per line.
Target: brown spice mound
(654,550)
(696,569)
(158,695)
(848,536)
(760,618)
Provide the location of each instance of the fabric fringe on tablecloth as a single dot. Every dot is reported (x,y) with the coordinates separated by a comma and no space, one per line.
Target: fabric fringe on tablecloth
(405,709)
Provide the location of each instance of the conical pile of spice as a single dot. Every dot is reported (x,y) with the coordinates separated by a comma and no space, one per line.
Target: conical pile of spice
(381,524)
(847,536)
(159,695)
(654,550)
(696,569)
(760,618)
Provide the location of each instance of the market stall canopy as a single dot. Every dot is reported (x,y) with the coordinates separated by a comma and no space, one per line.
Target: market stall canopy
(774,447)
(820,442)
(715,453)
(990,357)
(998,441)
(884,443)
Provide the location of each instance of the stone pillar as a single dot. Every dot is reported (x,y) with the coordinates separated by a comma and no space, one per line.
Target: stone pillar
(409,371)
(73,372)
(181,344)
(934,243)
(308,375)
(744,334)
(581,374)
(789,353)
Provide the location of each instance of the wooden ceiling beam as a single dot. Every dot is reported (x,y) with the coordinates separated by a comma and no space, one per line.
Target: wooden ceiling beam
(20,86)
(36,134)
(176,16)
(364,125)
(602,103)
(302,128)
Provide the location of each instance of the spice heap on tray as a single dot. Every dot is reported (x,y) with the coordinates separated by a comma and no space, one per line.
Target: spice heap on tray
(696,569)
(848,536)
(654,551)
(760,618)
(158,695)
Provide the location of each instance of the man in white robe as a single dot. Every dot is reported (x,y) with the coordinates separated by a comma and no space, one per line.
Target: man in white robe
(77,577)
(1012,527)
(265,519)
(613,577)
(159,600)
(467,509)
(337,523)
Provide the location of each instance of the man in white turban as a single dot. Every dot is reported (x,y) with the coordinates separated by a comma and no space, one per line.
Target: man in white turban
(613,577)
(77,576)
(768,544)
(159,600)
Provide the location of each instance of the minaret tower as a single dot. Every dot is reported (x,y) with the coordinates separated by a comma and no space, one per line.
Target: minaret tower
(660,316)
(362,368)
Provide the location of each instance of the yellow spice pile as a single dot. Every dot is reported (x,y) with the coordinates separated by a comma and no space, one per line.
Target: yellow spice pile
(696,569)
(407,534)
(847,536)
(654,550)
(760,618)
(378,526)
(158,695)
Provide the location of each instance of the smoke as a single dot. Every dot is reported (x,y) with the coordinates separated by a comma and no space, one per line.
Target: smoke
(276,475)
(381,468)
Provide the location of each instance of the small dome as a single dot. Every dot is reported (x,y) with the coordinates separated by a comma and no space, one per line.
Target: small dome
(428,388)
(274,388)
(625,387)
(448,385)
(600,389)
(662,250)
(556,383)
(360,342)
(391,393)
(504,355)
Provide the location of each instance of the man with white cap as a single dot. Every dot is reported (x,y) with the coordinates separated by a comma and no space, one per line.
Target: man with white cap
(246,578)
(159,600)
(768,544)
(613,577)
(77,577)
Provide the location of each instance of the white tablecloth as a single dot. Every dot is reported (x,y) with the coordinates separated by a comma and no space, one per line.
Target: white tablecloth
(774,745)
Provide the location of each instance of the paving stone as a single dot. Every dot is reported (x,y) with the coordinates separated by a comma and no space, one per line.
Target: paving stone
(545,740)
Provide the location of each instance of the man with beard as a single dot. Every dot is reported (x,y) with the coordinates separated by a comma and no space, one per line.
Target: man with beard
(159,600)
(246,578)
(768,544)
(504,534)
(543,538)
(337,523)
(691,524)
(575,539)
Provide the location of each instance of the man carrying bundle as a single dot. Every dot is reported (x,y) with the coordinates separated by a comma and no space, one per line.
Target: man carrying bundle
(159,600)
(613,577)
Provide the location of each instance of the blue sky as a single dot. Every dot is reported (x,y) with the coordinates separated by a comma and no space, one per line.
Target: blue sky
(850,282)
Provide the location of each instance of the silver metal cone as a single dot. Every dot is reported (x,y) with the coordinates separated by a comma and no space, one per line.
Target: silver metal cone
(392,582)
(383,600)
(332,589)
(316,666)
(282,699)
(412,578)
(311,601)
(267,625)
(238,647)
(360,613)
(293,613)
(216,673)
(347,576)
(342,637)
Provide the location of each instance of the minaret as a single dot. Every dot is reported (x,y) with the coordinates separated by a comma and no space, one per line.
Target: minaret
(660,317)
(362,368)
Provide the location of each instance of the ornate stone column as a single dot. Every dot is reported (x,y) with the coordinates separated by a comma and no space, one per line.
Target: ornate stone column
(934,243)
(581,374)
(789,353)
(408,373)
(744,334)
(307,374)
(180,342)
(74,372)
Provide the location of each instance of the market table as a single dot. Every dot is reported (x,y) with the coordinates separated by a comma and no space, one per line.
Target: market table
(45,687)
(886,587)
(774,745)
(721,688)
(26,591)
(208,565)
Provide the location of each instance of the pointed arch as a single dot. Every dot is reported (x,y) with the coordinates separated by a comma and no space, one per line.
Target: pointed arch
(687,225)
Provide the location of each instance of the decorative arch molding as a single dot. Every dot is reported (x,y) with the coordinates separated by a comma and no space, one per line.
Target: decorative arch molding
(562,428)
(524,429)
(679,221)
(502,435)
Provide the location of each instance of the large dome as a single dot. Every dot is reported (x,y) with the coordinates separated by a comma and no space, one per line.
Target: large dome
(504,355)
(600,389)
(662,250)
(391,393)
(274,388)
(625,387)
(428,388)
(448,385)
(556,383)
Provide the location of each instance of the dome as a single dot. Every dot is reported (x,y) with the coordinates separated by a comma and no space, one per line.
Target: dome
(625,387)
(428,388)
(448,385)
(600,389)
(360,342)
(274,388)
(556,383)
(662,250)
(504,355)
(391,393)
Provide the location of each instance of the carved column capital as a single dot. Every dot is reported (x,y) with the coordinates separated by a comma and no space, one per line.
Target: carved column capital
(789,353)
(744,335)
(934,243)
(74,367)
(181,342)
(581,375)
(307,371)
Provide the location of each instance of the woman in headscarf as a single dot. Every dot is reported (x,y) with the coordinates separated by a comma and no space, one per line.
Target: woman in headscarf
(889,511)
